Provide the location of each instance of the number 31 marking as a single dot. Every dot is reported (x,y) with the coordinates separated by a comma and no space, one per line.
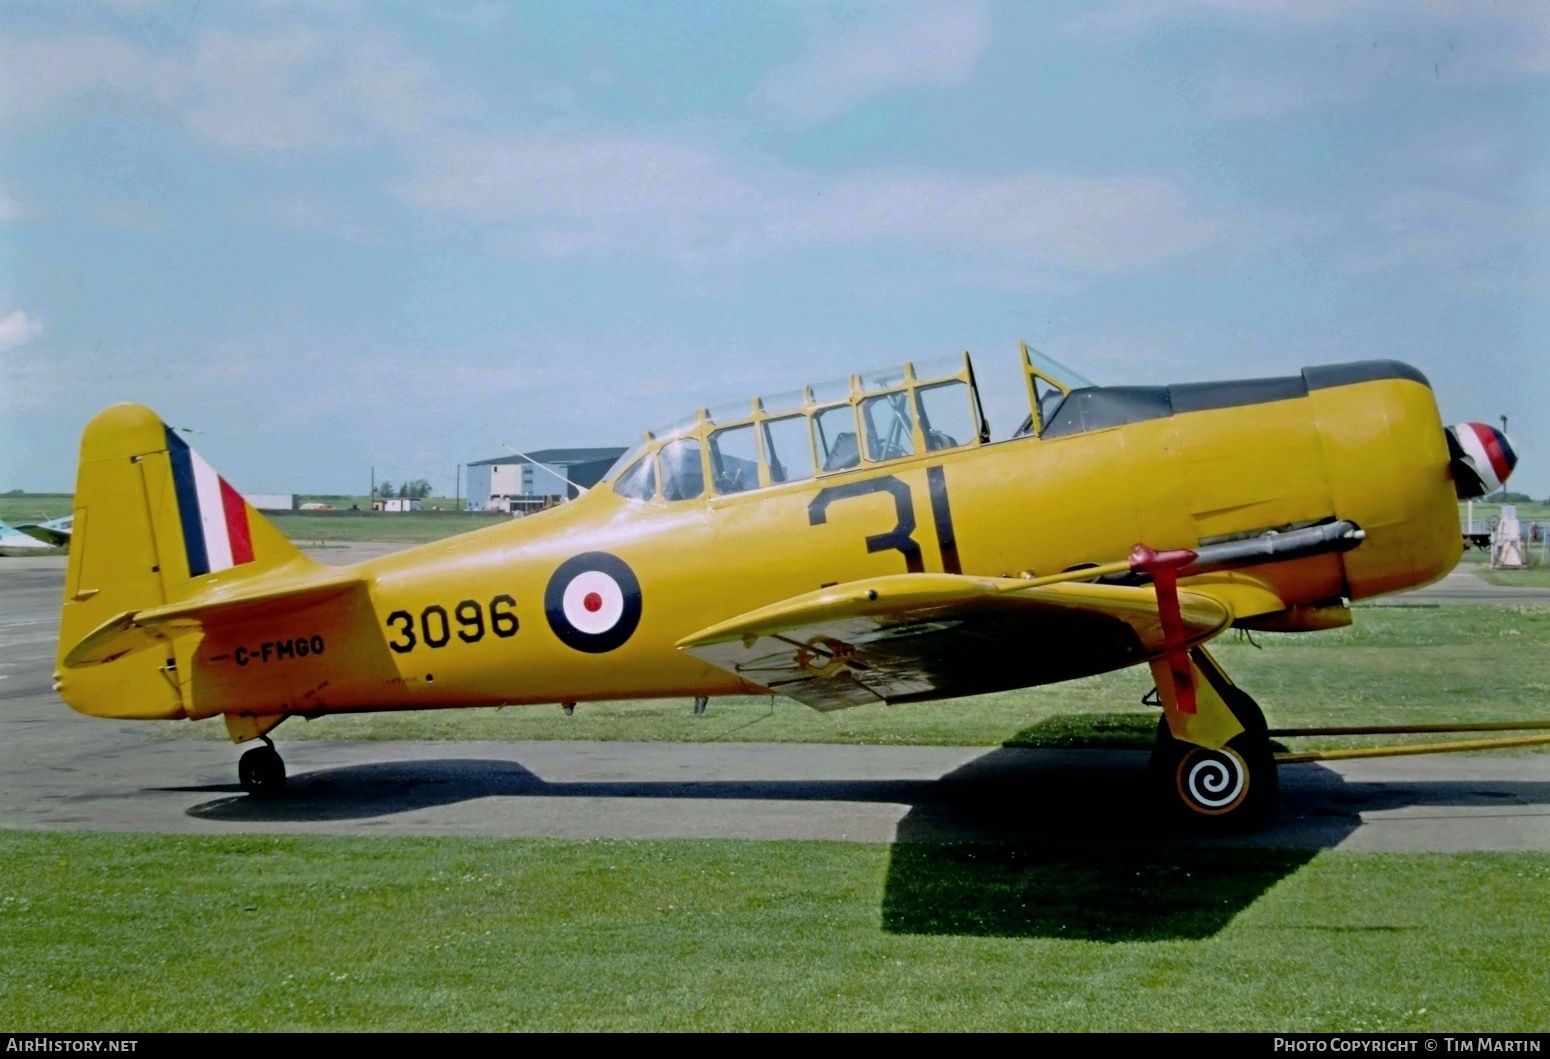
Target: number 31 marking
(901,538)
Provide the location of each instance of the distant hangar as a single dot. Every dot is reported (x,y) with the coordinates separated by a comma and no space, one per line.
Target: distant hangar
(536,480)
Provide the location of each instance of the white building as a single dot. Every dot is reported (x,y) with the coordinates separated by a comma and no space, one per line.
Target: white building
(271,501)
(537,480)
(396,503)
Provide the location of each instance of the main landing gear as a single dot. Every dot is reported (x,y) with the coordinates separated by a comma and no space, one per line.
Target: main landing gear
(261,770)
(1218,791)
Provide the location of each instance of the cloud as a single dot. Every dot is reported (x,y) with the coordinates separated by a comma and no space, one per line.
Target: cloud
(18,329)
(144,217)
(1296,55)
(1256,93)
(12,209)
(1090,224)
(312,212)
(911,45)
(1453,241)
(1130,17)
(40,75)
(562,198)
(582,177)
(307,88)
(301,86)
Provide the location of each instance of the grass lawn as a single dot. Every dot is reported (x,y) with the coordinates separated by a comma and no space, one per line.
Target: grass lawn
(144,932)
(1526,510)
(438,521)
(1395,665)
(34,507)
(1535,577)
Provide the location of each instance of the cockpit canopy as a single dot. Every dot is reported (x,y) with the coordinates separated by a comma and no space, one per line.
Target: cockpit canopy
(870,418)
(1049,384)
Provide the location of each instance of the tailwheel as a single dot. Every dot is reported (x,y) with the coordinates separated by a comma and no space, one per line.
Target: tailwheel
(1218,791)
(261,771)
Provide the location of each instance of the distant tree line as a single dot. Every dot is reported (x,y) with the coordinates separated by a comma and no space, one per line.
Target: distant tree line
(418,489)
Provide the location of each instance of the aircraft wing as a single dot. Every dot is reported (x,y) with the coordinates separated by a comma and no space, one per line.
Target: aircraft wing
(908,637)
(47,532)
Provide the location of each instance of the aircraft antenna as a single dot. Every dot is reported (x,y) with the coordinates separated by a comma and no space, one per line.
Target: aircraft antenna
(580,489)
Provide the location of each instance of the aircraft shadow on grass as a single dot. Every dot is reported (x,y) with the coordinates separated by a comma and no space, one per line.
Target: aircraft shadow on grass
(1016,843)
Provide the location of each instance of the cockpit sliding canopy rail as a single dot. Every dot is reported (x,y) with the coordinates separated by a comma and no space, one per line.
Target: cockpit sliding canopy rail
(866,419)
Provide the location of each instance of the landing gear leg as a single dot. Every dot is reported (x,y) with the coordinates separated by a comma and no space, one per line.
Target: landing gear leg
(261,771)
(1221,791)
(700,702)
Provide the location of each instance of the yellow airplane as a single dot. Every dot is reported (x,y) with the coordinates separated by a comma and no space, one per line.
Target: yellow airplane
(859,542)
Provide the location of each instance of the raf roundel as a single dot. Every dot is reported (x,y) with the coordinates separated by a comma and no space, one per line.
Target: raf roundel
(593,602)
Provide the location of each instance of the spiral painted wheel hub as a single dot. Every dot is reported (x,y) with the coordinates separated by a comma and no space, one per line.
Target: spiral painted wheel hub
(1213,782)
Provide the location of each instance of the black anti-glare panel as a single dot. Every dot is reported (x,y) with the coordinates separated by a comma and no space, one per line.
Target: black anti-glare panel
(1100,407)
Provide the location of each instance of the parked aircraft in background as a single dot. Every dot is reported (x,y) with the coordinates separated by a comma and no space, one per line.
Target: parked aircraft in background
(860,542)
(14,542)
(55,532)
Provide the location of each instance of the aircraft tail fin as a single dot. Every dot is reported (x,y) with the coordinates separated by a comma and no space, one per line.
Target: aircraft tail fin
(155,526)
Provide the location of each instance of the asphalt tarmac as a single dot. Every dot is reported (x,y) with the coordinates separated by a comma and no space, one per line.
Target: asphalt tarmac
(59,770)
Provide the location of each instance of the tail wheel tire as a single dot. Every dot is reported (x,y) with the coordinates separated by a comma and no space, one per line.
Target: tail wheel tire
(1227,790)
(261,772)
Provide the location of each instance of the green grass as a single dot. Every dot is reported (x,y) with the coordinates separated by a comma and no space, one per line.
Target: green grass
(440,519)
(1394,665)
(1534,577)
(1526,510)
(34,507)
(135,933)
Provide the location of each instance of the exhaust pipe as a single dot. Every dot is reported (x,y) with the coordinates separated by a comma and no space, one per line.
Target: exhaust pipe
(1339,536)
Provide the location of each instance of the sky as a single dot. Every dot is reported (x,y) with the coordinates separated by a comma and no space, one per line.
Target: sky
(326,237)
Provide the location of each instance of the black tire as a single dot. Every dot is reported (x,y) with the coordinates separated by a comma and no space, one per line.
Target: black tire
(1224,791)
(261,772)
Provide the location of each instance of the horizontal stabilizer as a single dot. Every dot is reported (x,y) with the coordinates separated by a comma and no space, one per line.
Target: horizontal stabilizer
(284,588)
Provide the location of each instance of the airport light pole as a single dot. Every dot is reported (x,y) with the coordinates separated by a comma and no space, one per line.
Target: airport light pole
(1503,497)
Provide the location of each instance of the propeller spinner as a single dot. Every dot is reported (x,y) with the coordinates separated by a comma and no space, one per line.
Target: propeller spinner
(1482,458)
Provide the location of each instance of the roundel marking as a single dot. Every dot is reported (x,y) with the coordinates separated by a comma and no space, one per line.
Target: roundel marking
(593,602)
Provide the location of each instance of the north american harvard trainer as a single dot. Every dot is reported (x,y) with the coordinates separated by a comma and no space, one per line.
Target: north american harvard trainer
(860,542)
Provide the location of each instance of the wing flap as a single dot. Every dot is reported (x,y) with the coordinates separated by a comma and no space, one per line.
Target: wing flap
(920,636)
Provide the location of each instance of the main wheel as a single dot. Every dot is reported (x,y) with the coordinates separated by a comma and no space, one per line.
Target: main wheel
(261,772)
(1218,791)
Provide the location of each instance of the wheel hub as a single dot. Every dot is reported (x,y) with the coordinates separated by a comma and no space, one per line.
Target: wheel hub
(1213,782)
